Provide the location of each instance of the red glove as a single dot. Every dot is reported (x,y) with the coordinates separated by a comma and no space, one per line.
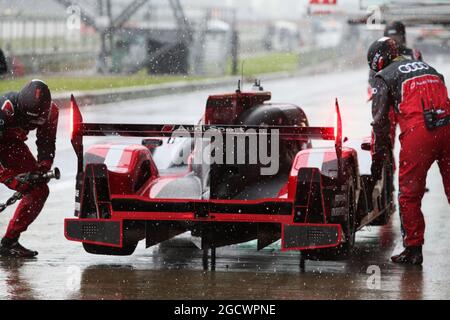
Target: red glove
(44,166)
(5,174)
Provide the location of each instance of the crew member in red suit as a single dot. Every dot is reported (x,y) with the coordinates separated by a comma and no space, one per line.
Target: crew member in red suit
(419,97)
(396,31)
(21,112)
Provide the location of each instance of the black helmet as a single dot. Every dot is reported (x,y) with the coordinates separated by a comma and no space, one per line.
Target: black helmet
(34,102)
(396,30)
(381,53)
(395,27)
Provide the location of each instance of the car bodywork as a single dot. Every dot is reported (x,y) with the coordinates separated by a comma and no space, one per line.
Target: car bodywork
(314,203)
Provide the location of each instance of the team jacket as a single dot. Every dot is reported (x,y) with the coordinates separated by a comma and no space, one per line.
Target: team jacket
(14,127)
(408,53)
(408,86)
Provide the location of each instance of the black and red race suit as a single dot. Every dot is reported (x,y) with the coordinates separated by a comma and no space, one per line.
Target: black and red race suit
(16,158)
(410,87)
(409,53)
(412,54)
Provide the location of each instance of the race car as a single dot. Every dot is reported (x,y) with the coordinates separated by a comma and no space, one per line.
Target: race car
(168,185)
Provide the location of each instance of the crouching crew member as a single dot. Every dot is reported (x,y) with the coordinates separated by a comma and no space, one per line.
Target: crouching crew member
(21,112)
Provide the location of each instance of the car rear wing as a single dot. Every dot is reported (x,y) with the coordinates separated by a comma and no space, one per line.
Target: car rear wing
(79,129)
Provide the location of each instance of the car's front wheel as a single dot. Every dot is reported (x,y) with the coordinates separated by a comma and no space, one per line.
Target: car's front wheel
(386,197)
(343,201)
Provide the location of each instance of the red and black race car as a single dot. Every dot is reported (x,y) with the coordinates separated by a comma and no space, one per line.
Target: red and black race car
(314,202)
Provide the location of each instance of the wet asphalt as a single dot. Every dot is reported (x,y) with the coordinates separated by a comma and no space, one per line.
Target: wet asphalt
(173,270)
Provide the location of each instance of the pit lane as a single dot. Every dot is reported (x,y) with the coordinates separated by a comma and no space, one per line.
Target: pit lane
(173,270)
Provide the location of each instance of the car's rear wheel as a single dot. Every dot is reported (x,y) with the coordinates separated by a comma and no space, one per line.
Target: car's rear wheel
(126,250)
(387,197)
(349,226)
(344,200)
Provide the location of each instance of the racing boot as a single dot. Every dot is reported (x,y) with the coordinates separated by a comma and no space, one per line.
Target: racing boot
(411,255)
(12,248)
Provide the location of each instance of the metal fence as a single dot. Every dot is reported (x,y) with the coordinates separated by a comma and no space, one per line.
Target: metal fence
(44,35)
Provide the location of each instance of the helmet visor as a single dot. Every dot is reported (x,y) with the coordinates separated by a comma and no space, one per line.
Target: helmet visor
(37,118)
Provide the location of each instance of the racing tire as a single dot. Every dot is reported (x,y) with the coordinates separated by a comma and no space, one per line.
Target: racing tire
(126,250)
(348,225)
(387,197)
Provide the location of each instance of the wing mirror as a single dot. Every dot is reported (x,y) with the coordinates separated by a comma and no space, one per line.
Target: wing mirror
(366,146)
(152,143)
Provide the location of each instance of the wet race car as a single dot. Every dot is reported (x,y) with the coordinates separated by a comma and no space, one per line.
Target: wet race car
(248,171)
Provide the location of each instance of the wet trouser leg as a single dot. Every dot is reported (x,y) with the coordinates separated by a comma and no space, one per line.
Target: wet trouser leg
(17,157)
(417,154)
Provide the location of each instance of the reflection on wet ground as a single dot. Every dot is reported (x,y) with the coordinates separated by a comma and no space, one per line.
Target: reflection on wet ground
(16,286)
(172,270)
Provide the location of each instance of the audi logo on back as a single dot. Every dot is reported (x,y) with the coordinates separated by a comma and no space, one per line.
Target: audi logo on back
(413,66)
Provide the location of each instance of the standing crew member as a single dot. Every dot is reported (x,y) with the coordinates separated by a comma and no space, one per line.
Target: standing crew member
(21,112)
(419,97)
(396,31)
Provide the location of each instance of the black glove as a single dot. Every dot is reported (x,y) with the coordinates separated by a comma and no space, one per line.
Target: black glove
(44,166)
(380,155)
